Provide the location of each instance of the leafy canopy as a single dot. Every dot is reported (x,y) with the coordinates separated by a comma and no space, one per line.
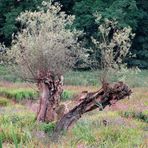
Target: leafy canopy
(47,43)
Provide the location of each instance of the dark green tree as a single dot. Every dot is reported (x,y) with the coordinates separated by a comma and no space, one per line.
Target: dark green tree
(9,10)
(140,43)
(133,13)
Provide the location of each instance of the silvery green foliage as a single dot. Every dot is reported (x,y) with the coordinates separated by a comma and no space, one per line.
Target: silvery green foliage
(113,49)
(46,43)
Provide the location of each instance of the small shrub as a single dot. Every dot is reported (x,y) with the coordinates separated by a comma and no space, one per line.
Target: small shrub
(48,128)
(67,95)
(137,115)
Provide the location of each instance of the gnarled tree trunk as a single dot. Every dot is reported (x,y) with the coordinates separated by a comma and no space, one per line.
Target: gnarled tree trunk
(50,91)
(105,96)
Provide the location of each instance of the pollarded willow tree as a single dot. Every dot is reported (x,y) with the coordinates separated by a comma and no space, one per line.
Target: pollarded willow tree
(43,51)
(114,44)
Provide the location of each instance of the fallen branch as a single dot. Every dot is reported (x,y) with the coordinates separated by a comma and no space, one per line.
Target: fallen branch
(107,95)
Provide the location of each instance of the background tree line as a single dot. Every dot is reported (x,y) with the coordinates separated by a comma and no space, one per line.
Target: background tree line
(132,13)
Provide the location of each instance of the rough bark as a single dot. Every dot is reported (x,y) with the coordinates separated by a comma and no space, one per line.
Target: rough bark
(107,95)
(50,91)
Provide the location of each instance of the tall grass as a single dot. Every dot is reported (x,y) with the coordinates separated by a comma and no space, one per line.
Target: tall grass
(1,141)
(18,129)
(26,93)
(92,78)
(4,102)
(86,78)
(89,135)
(18,94)
(18,125)
(67,95)
(14,126)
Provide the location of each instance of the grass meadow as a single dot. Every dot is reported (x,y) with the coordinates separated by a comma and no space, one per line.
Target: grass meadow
(126,122)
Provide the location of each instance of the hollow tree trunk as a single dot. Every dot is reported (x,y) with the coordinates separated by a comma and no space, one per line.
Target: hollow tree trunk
(105,96)
(50,92)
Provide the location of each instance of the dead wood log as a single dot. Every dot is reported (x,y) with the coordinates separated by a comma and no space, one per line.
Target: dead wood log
(101,98)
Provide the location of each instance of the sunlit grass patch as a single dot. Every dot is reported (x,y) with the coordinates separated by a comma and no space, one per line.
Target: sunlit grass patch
(20,118)
(83,78)
(97,115)
(10,133)
(83,133)
(119,136)
(18,94)
(140,93)
(15,125)
(67,95)
(78,89)
(92,78)
(88,135)
(90,131)
(4,102)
